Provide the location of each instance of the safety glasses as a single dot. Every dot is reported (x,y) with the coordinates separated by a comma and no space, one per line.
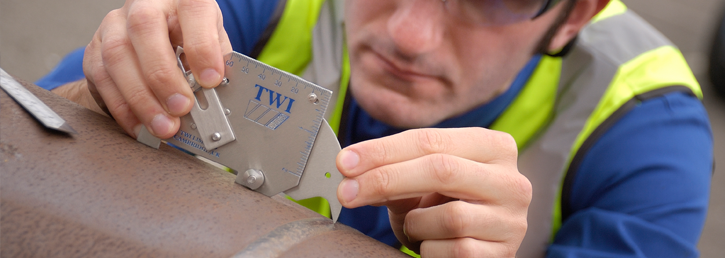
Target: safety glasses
(497,12)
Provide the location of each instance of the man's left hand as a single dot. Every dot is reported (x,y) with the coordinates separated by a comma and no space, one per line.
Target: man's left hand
(449,192)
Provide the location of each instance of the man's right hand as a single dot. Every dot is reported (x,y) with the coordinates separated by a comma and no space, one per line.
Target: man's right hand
(131,62)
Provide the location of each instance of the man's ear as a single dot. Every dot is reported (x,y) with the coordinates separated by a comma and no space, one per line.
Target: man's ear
(580,15)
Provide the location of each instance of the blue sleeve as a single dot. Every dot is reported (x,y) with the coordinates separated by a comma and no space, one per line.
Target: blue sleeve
(642,190)
(244,22)
(69,69)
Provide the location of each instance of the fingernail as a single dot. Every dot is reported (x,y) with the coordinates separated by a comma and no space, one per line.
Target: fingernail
(350,188)
(406,233)
(161,125)
(137,130)
(209,78)
(177,103)
(349,159)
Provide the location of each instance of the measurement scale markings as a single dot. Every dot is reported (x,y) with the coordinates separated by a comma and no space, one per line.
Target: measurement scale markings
(307,131)
(295,173)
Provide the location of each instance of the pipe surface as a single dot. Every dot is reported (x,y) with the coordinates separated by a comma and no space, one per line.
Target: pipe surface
(101,193)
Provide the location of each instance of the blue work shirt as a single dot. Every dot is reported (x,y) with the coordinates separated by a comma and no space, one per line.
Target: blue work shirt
(641,191)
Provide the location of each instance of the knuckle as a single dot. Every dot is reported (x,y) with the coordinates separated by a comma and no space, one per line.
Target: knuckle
(507,144)
(136,98)
(527,189)
(199,46)
(524,190)
(160,75)
(515,228)
(432,141)
(457,218)
(520,226)
(90,60)
(91,49)
(115,13)
(119,107)
(100,79)
(112,49)
(140,18)
(381,180)
(379,151)
(192,5)
(111,17)
(509,250)
(464,248)
(204,43)
(445,168)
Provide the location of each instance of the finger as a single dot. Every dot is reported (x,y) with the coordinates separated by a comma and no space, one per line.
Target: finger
(117,105)
(121,63)
(98,78)
(448,175)
(149,34)
(92,61)
(466,247)
(403,206)
(201,23)
(398,210)
(477,144)
(177,39)
(459,219)
(224,42)
(112,98)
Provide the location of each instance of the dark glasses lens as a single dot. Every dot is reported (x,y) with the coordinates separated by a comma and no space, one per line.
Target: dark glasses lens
(498,12)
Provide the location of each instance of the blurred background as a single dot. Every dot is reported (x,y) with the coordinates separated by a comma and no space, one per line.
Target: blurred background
(36,34)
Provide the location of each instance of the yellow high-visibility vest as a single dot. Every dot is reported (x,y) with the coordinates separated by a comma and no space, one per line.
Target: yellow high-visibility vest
(617,61)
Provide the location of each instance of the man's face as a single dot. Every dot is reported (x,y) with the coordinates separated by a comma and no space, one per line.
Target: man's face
(414,64)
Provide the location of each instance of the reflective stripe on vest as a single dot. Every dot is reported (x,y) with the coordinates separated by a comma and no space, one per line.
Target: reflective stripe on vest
(564,108)
(619,59)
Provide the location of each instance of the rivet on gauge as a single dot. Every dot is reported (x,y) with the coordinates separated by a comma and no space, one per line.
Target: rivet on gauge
(225,81)
(253,178)
(227,111)
(193,126)
(313,98)
(216,137)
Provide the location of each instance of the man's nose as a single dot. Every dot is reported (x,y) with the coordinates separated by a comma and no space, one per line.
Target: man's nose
(417,26)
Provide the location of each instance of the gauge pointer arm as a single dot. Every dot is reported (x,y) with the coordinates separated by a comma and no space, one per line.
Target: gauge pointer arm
(321,177)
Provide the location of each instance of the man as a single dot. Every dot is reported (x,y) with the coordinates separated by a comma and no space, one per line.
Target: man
(612,135)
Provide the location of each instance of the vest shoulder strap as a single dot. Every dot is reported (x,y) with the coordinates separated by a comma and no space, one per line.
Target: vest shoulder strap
(289,47)
(618,59)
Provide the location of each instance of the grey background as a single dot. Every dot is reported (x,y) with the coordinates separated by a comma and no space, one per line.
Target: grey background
(36,34)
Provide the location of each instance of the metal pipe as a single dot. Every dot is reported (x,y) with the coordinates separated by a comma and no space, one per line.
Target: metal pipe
(101,193)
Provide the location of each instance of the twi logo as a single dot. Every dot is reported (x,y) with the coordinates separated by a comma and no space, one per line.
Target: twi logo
(266,115)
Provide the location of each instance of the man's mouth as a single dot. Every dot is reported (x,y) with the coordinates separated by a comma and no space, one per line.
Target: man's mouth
(401,71)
